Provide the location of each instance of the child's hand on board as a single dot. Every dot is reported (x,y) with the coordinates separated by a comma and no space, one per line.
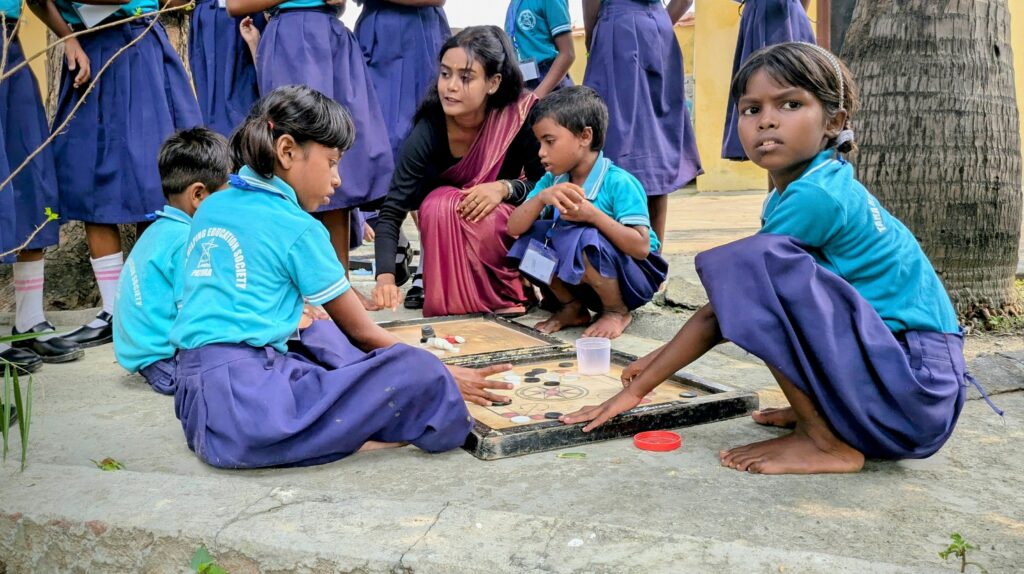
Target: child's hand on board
(473,383)
(77,61)
(480,200)
(565,197)
(602,413)
(636,368)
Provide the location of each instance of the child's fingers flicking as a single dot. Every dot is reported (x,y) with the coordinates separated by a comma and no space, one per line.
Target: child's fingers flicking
(494,369)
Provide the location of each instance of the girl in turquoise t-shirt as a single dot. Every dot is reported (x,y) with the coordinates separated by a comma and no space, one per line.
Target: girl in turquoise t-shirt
(834,294)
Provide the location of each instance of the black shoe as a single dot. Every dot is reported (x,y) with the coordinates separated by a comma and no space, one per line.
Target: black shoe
(52,349)
(23,359)
(414,298)
(92,336)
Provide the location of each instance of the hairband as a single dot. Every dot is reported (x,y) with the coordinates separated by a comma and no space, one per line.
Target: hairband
(846,134)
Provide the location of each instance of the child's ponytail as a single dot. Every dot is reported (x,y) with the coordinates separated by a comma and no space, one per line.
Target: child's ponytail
(298,111)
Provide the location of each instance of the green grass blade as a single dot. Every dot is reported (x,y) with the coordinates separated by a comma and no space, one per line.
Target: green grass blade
(7,406)
(22,419)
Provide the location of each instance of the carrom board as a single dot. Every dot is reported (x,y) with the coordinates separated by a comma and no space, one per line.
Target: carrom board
(497,338)
(523,427)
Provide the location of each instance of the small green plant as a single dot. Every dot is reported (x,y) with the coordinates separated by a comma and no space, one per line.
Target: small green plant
(108,464)
(20,401)
(203,563)
(958,549)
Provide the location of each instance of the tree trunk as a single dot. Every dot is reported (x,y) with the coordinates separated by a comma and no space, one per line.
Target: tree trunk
(69,278)
(938,135)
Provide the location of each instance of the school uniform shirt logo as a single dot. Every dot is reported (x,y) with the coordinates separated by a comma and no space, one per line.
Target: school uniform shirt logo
(208,241)
(527,20)
(133,276)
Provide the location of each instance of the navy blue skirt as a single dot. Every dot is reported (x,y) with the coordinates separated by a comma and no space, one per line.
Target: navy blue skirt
(638,279)
(248,407)
(106,156)
(401,45)
(637,68)
(8,240)
(887,395)
(313,47)
(222,68)
(764,23)
(25,128)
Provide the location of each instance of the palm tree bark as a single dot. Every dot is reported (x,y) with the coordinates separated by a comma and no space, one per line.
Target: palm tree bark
(938,135)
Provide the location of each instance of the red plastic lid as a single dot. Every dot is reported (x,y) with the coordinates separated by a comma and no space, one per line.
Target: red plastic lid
(658,441)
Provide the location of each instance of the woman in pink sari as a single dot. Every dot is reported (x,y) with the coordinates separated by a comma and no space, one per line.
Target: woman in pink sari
(469,159)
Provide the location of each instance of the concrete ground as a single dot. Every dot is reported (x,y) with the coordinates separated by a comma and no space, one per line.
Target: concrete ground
(617,510)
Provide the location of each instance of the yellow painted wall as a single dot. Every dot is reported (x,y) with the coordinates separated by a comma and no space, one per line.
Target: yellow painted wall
(33,40)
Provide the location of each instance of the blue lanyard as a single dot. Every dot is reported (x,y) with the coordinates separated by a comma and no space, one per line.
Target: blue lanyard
(510,24)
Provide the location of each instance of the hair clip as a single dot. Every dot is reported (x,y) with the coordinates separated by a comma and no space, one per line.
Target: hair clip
(271,124)
(844,136)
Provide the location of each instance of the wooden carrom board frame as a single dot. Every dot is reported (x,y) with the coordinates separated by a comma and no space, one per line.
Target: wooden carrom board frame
(544,342)
(718,402)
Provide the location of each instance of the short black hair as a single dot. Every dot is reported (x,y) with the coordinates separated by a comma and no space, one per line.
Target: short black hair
(299,111)
(194,155)
(575,108)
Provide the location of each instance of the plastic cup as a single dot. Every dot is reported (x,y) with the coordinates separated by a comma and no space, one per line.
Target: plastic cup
(593,355)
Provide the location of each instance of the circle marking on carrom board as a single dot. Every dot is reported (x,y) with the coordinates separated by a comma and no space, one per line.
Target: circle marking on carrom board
(560,393)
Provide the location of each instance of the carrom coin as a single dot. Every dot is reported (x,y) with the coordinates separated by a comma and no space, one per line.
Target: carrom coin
(532,379)
(566,365)
(552,415)
(520,419)
(688,394)
(539,370)
(501,403)
(551,383)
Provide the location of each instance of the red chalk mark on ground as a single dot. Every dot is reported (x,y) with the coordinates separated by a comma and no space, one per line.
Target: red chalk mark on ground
(97,527)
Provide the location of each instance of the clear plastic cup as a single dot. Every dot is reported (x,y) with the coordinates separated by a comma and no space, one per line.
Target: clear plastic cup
(593,355)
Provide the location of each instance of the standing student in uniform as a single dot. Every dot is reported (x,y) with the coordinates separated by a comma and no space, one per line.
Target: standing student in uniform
(637,68)
(255,253)
(106,156)
(222,65)
(306,43)
(763,23)
(400,39)
(834,294)
(541,33)
(24,127)
(193,164)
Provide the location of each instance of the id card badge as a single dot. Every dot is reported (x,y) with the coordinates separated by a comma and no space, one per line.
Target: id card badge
(222,4)
(539,262)
(529,69)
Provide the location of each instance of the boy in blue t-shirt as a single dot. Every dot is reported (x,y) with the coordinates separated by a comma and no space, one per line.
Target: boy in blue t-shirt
(541,33)
(193,164)
(585,231)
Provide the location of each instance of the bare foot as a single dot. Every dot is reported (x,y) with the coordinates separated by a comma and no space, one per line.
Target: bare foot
(368,304)
(571,315)
(609,325)
(783,417)
(377,445)
(796,453)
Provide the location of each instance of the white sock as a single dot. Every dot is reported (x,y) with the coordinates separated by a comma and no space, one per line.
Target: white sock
(28,295)
(107,270)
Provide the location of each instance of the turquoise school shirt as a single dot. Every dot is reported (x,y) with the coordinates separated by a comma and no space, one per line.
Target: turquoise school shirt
(252,257)
(853,236)
(11,9)
(533,25)
(67,11)
(149,291)
(612,190)
(301,4)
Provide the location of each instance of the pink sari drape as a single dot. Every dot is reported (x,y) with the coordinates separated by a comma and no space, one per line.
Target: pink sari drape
(464,264)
